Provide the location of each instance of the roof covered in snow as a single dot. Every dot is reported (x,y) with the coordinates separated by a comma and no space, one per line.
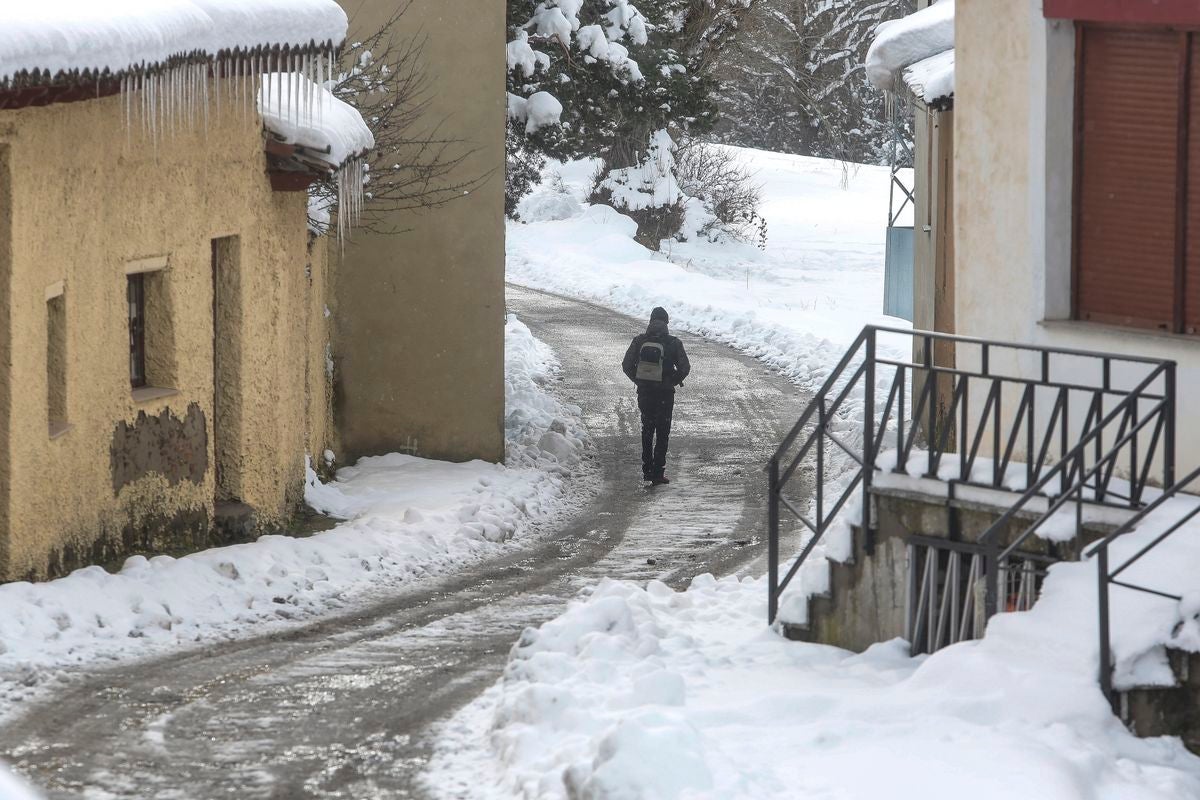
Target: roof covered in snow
(299,112)
(917,53)
(50,39)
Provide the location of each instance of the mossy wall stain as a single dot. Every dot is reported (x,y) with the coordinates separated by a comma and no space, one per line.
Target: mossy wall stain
(164,444)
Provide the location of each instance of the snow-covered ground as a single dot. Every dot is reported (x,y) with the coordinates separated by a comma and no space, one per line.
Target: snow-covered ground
(796,305)
(643,692)
(654,694)
(406,519)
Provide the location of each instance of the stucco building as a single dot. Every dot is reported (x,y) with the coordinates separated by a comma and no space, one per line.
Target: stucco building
(1066,432)
(418,319)
(162,326)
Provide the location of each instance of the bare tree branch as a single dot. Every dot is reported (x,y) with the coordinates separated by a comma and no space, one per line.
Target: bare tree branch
(415,165)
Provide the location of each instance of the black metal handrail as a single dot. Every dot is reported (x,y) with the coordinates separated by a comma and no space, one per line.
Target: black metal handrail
(1076,478)
(1108,578)
(940,415)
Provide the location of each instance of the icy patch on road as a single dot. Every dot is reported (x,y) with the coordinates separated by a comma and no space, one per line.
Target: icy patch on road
(650,693)
(406,519)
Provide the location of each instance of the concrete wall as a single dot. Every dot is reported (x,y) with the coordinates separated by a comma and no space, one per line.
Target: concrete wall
(419,320)
(6,340)
(134,472)
(1014,147)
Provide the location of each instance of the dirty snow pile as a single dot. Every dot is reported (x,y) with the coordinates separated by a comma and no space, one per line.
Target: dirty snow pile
(406,519)
(918,50)
(117,35)
(650,693)
(300,112)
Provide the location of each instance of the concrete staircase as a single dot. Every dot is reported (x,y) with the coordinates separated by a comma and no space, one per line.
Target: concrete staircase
(866,603)
(1167,710)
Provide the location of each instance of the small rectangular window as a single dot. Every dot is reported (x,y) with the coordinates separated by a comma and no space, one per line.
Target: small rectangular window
(56,362)
(137,330)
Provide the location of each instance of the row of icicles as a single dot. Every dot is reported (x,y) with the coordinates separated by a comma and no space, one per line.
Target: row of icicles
(166,99)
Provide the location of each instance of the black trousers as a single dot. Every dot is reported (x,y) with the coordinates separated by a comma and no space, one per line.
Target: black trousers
(656,406)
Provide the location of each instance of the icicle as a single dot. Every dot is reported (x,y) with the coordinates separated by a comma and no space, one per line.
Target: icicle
(291,105)
(193,101)
(168,103)
(125,109)
(320,75)
(187,76)
(298,77)
(318,85)
(155,123)
(142,102)
(294,87)
(204,91)
(306,86)
(277,84)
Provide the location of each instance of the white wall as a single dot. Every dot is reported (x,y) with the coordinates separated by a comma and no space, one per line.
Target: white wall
(1014,104)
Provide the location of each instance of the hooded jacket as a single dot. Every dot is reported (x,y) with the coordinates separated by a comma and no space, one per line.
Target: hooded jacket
(675,361)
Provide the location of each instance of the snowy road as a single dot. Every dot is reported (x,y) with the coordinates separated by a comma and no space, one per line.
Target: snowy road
(343,707)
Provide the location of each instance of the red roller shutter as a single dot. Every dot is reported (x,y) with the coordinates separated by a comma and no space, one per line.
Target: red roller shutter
(1191,234)
(1128,159)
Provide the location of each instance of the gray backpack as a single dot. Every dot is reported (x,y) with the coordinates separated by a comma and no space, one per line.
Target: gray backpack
(650,362)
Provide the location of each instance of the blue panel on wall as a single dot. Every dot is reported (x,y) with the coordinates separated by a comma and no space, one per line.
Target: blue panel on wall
(898,274)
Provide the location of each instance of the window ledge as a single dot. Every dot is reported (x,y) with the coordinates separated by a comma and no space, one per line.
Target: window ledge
(1109,329)
(146,394)
(58,429)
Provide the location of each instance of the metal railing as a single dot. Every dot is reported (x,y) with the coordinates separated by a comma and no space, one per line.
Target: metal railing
(1128,401)
(1109,577)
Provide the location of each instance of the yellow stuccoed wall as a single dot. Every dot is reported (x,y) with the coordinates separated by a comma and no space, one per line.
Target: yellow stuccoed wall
(419,326)
(84,197)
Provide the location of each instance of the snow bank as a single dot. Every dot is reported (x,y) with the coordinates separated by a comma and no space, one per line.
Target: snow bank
(117,35)
(407,519)
(300,112)
(904,42)
(13,788)
(651,693)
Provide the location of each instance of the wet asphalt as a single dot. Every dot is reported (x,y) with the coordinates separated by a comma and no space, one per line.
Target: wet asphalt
(344,707)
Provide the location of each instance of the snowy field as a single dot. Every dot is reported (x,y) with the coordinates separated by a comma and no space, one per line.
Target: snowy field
(406,519)
(795,305)
(644,692)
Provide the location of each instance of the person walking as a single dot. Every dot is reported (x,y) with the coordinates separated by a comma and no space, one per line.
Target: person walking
(656,363)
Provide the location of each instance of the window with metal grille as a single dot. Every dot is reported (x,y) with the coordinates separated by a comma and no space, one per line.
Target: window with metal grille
(137,330)
(1137,186)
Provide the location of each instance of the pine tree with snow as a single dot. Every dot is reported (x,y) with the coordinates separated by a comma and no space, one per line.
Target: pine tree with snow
(603,77)
(794,80)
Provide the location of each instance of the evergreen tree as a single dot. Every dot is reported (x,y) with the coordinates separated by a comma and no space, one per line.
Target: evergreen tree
(794,80)
(620,71)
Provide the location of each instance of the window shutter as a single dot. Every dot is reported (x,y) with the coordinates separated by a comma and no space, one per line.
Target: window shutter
(1128,159)
(1191,280)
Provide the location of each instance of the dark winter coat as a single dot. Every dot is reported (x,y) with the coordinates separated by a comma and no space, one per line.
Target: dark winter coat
(675,361)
